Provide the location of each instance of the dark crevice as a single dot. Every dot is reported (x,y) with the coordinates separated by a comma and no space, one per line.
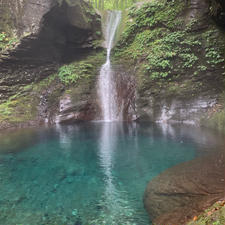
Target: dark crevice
(57,41)
(217,11)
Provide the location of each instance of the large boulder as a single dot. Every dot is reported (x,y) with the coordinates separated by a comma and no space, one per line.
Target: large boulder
(182,192)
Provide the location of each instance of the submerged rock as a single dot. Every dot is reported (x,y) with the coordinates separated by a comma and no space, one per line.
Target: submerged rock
(78,222)
(182,192)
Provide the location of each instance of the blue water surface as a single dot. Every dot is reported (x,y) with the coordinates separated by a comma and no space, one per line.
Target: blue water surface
(89,173)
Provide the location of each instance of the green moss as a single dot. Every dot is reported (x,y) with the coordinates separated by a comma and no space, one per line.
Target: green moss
(215,215)
(215,47)
(19,110)
(43,84)
(69,74)
(158,49)
(121,26)
(80,70)
(151,15)
(218,121)
(159,43)
(23,106)
(7,41)
(156,13)
(170,57)
(216,118)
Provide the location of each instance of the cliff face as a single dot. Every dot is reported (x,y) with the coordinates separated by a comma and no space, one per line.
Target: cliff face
(176,50)
(35,39)
(171,55)
(47,29)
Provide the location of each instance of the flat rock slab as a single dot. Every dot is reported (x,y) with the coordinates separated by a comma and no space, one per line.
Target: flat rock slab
(182,192)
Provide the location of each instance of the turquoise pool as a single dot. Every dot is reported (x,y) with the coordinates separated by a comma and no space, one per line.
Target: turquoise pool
(89,173)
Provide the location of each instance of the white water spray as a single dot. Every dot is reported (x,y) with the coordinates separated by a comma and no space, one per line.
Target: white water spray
(107,90)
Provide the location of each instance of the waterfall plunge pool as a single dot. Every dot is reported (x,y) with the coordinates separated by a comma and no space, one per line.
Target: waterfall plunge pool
(90,173)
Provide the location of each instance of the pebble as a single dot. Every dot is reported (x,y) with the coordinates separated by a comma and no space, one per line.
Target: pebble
(74,212)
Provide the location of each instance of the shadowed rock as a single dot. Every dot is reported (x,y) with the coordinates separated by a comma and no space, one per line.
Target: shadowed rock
(49,33)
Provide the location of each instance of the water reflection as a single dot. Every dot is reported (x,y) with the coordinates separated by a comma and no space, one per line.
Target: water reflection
(167,130)
(65,138)
(205,139)
(106,150)
(17,140)
(94,173)
(115,202)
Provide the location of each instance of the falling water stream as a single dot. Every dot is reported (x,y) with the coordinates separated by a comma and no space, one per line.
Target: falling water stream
(107,89)
(110,113)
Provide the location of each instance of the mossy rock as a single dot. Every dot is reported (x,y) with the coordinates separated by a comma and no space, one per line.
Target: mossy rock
(36,101)
(215,215)
(173,55)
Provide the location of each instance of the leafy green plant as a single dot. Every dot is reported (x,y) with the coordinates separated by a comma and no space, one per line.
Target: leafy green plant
(202,68)
(189,59)
(191,24)
(7,42)
(2,36)
(69,74)
(98,33)
(161,45)
(3,40)
(156,75)
(214,56)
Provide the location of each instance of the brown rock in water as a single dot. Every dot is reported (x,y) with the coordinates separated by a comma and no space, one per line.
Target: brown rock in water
(182,192)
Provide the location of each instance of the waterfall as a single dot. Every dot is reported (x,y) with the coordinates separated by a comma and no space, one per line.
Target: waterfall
(107,88)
